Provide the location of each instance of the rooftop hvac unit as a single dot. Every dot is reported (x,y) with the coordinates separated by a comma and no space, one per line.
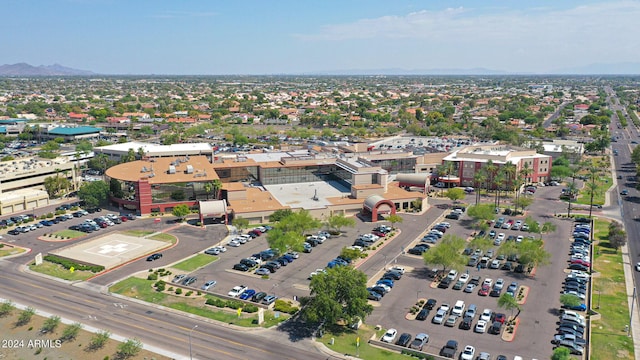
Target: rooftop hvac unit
(144,169)
(189,169)
(152,175)
(172,169)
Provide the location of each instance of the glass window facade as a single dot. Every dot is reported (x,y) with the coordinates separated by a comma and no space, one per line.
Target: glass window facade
(237,174)
(296,174)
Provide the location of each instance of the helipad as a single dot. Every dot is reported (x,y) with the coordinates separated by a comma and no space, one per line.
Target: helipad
(111,250)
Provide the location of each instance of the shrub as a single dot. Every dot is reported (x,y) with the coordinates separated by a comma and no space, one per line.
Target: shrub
(248,308)
(70,332)
(217,302)
(285,307)
(188,293)
(178,291)
(153,276)
(68,264)
(160,285)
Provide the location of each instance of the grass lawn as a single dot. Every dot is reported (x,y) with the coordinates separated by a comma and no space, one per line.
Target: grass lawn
(138,233)
(584,198)
(195,262)
(58,271)
(138,288)
(69,233)
(345,343)
(608,338)
(164,237)
(8,250)
(142,289)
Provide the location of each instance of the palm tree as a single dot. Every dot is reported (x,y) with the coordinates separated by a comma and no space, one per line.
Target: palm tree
(526,172)
(572,191)
(217,185)
(499,179)
(508,302)
(479,178)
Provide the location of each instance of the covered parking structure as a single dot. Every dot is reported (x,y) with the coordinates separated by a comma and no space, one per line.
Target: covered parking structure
(420,180)
(213,209)
(376,204)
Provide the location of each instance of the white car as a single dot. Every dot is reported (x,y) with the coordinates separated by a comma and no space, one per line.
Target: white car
(390,335)
(439,317)
(399,269)
(464,278)
(445,307)
(495,264)
(638,266)
(316,272)
(220,248)
(445,224)
(237,291)
(519,238)
(324,234)
(499,284)
(208,285)
(500,237)
(452,274)
(488,281)
(481,327)
(468,353)
(486,315)
(233,243)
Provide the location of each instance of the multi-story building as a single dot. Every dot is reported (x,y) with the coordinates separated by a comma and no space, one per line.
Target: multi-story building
(468,161)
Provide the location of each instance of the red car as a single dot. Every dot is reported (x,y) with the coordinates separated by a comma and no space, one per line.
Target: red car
(498,317)
(484,290)
(379,234)
(581,262)
(124,218)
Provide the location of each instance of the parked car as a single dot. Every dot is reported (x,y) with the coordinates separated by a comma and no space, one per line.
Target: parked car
(389,336)
(404,339)
(420,340)
(209,284)
(269,299)
(188,281)
(247,294)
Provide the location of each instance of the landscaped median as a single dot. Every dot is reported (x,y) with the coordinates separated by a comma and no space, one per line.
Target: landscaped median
(198,303)
(609,296)
(10,250)
(344,340)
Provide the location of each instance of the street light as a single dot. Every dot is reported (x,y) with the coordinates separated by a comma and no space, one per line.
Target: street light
(418,294)
(193,328)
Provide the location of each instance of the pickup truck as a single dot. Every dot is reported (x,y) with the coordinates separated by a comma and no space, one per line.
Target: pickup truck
(449,349)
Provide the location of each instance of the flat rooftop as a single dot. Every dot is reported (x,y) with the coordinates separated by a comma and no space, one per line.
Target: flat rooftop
(151,149)
(157,170)
(301,195)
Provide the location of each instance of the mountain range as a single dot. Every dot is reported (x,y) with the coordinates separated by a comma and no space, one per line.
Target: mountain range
(24,69)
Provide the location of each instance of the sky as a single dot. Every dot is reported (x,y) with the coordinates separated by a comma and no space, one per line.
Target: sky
(224,37)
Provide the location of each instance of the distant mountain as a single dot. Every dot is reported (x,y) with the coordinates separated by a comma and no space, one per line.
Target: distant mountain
(24,69)
(623,68)
(398,71)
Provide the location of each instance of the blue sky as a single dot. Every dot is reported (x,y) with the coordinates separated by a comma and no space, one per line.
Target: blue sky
(307,36)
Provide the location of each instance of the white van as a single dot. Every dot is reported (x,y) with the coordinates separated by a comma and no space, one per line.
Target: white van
(458,308)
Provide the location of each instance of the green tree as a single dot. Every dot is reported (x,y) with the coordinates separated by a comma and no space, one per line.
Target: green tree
(280,214)
(25,316)
(483,243)
(339,294)
(448,253)
(240,223)
(570,300)
(532,253)
(94,193)
(350,253)
(561,353)
(56,185)
(50,324)
(454,194)
(70,332)
(481,213)
(338,221)
(128,349)
(509,303)
(115,188)
(283,241)
(617,236)
(6,308)
(394,219)
(180,211)
(99,340)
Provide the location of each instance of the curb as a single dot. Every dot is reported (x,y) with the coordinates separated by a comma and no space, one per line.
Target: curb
(512,336)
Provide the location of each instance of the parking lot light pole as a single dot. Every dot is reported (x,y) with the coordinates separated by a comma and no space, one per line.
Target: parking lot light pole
(418,294)
(190,354)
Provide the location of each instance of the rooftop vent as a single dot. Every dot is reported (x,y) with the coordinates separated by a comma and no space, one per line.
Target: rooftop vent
(172,169)
(189,169)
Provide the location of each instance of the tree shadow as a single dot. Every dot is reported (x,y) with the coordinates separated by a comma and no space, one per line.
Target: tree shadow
(298,329)
(554,311)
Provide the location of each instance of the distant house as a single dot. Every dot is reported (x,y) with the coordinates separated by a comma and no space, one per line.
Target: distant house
(78,116)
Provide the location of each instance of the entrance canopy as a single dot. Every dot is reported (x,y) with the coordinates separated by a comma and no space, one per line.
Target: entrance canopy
(373,204)
(212,209)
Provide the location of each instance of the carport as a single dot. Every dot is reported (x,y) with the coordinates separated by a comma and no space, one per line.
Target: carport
(377,204)
(213,209)
(420,180)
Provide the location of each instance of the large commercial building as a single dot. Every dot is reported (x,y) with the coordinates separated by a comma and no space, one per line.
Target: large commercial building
(468,161)
(22,182)
(255,185)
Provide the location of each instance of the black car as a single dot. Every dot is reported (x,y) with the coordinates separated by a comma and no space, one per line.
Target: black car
(379,289)
(417,250)
(248,262)
(495,328)
(507,266)
(453,216)
(519,269)
(257,297)
(423,314)
(444,283)
(404,340)
(394,275)
(466,323)
(240,267)
(578,267)
(153,257)
(430,304)
(495,292)
(13,232)
(75,227)
(189,280)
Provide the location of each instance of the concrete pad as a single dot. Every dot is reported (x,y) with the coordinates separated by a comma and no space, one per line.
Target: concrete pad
(301,195)
(110,250)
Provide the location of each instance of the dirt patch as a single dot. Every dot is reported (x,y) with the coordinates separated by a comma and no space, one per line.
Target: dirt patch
(26,342)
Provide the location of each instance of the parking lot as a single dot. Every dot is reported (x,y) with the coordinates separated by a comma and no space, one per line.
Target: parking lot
(539,313)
